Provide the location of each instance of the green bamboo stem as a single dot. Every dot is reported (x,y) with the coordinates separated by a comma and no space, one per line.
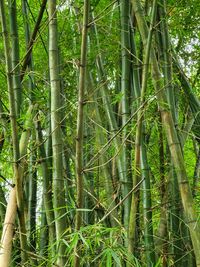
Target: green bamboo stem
(175,207)
(80,116)
(70,195)
(147,205)
(47,188)
(176,215)
(23,144)
(26,24)
(196,174)
(15,55)
(125,108)
(186,129)
(167,58)
(172,138)
(32,181)
(141,160)
(3,201)
(13,119)
(44,235)
(88,217)
(80,126)
(161,235)
(58,177)
(135,69)
(184,188)
(32,204)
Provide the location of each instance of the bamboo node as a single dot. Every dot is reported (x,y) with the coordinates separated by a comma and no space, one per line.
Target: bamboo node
(7,223)
(184,182)
(192,221)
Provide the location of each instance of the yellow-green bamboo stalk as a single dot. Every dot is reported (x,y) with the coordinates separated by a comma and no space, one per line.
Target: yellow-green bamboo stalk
(58,177)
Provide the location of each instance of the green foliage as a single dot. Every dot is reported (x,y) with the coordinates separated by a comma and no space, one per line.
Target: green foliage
(100,244)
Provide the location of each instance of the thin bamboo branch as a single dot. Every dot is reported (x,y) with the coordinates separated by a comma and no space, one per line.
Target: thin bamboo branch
(121,201)
(32,39)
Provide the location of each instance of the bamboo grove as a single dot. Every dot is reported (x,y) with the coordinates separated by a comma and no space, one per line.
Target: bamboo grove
(99,133)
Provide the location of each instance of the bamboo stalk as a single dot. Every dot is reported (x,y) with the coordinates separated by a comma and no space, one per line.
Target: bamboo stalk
(162,233)
(13,118)
(174,197)
(47,190)
(32,181)
(3,201)
(141,160)
(15,55)
(44,235)
(57,145)
(80,126)
(125,107)
(8,230)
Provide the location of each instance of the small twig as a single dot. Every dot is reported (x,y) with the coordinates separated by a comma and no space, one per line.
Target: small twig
(5,180)
(122,201)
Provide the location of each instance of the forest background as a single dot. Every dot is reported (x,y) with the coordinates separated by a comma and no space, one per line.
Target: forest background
(99,133)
